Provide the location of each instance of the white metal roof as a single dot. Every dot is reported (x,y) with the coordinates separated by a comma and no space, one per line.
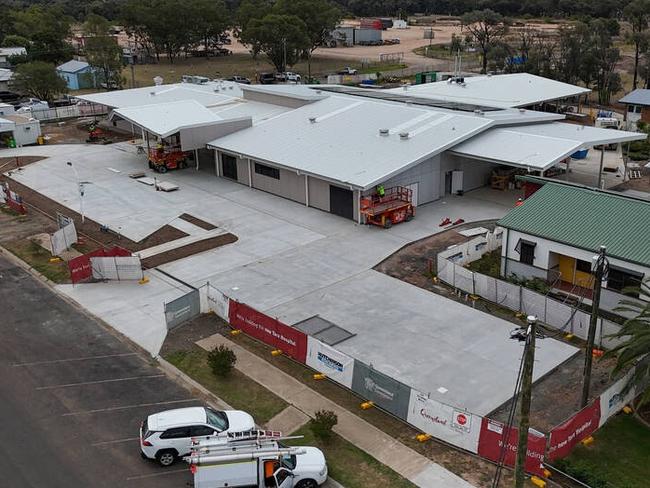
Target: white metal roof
(72,66)
(258,111)
(538,146)
(5,74)
(12,51)
(640,96)
(207,94)
(338,138)
(165,119)
(503,91)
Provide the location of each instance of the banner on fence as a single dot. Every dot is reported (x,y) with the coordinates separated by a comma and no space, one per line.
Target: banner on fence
(116,268)
(13,200)
(63,220)
(269,330)
(182,309)
(612,400)
(326,359)
(566,435)
(384,391)
(80,267)
(63,238)
(218,302)
(450,424)
(492,439)
(3,196)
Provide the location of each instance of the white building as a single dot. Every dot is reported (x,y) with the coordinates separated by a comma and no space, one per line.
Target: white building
(19,128)
(5,78)
(328,146)
(7,52)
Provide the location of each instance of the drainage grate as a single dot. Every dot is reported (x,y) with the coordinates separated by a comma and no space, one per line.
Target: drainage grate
(323,330)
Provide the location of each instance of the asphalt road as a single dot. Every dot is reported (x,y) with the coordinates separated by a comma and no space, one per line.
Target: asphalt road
(72,396)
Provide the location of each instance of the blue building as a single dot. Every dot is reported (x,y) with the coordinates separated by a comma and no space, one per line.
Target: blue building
(77,74)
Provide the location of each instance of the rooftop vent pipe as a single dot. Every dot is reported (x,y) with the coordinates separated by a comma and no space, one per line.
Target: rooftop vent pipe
(312,120)
(478,112)
(383,132)
(403,135)
(522,110)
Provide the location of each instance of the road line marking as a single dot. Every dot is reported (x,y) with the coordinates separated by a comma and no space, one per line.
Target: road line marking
(162,473)
(116,441)
(111,409)
(98,382)
(86,358)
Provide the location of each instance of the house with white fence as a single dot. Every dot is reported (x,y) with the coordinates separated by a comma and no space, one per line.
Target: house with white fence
(558,229)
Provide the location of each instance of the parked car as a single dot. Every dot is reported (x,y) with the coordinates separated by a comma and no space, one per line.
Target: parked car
(222,51)
(288,76)
(165,436)
(240,79)
(267,78)
(348,71)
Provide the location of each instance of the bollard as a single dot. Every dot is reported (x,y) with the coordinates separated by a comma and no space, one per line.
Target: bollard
(423,437)
(589,440)
(144,280)
(367,405)
(55,260)
(547,473)
(235,332)
(276,352)
(538,481)
(319,376)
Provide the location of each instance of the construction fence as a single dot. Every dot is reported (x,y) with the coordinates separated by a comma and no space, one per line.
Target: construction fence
(12,199)
(558,315)
(69,112)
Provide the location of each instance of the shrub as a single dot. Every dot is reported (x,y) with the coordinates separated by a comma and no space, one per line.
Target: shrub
(323,423)
(582,471)
(221,360)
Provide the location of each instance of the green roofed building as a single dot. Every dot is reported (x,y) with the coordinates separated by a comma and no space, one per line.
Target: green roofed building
(557,231)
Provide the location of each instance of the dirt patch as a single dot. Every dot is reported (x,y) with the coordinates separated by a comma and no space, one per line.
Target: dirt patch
(166,233)
(11,163)
(197,221)
(75,131)
(640,184)
(188,250)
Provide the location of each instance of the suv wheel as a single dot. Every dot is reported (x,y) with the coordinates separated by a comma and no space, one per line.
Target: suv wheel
(166,457)
(307,484)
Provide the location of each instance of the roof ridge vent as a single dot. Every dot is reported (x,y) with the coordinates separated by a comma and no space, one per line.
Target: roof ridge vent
(403,135)
(478,112)
(383,132)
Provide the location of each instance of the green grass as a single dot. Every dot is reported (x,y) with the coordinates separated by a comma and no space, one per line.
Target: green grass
(236,389)
(489,264)
(351,466)
(39,259)
(619,457)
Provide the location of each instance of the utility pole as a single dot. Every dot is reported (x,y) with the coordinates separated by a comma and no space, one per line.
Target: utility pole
(525,400)
(600,262)
(600,169)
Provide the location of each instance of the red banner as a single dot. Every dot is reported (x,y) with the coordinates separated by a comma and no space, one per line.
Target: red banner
(269,330)
(492,439)
(16,205)
(80,269)
(566,435)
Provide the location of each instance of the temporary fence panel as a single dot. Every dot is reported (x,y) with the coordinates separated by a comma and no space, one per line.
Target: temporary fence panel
(218,302)
(450,424)
(14,201)
(70,111)
(327,360)
(580,324)
(485,286)
(508,295)
(3,197)
(182,309)
(116,268)
(568,434)
(558,315)
(464,279)
(203,296)
(269,330)
(493,437)
(384,391)
(446,271)
(533,303)
(63,238)
(613,399)
(608,328)
(80,267)
(63,220)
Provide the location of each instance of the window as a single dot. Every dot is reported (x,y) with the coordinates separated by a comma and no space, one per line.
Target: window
(526,250)
(480,246)
(217,419)
(176,433)
(201,430)
(638,109)
(583,266)
(630,108)
(264,170)
(618,279)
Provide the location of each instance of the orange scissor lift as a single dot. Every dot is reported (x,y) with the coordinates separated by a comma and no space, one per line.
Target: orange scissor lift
(164,159)
(393,207)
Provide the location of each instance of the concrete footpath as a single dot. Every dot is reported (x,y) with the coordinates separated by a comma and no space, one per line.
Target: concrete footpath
(411,465)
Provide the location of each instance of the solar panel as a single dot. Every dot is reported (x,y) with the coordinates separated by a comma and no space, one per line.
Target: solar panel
(395,97)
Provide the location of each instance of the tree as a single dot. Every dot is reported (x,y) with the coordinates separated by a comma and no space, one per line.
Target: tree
(323,423)
(320,18)
(282,38)
(102,50)
(249,10)
(221,360)
(637,13)
(486,27)
(606,57)
(14,40)
(38,79)
(635,348)
(47,29)
(211,20)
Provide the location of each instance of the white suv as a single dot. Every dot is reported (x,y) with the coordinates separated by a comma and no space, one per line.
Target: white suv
(167,435)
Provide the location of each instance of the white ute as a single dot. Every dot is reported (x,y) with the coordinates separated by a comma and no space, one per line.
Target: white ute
(165,436)
(255,459)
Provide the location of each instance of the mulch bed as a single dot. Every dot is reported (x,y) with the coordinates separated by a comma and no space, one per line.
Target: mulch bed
(188,250)
(197,221)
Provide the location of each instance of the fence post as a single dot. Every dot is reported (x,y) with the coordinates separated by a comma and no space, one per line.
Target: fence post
(453,279)
(117,270)
(473,284)
(521,299)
